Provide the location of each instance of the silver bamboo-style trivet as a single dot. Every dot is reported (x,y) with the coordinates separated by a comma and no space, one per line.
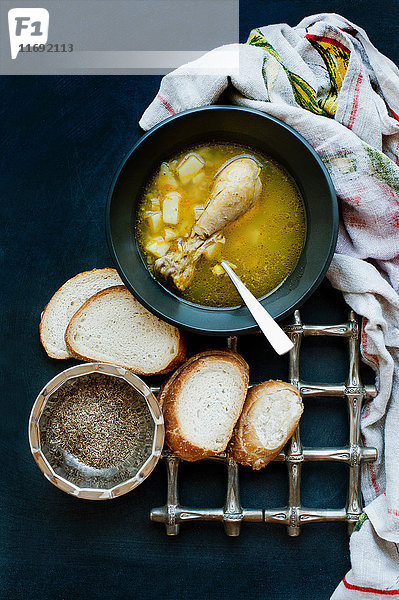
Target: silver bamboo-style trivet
(294,514)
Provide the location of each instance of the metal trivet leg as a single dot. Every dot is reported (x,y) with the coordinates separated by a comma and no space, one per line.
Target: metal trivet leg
(167,514)
(231,515)
(294,514)
(355,393)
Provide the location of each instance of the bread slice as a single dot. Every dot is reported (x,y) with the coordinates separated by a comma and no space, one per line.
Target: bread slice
(65,303)
(202,402)
(271,413)
(113,327)
(166,385)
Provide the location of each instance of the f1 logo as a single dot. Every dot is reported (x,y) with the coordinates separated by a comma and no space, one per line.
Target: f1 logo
(27,25)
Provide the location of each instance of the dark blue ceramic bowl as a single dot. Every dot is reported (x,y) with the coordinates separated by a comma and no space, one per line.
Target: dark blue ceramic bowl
(244,126)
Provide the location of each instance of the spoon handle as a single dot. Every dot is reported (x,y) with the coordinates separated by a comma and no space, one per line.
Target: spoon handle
(272,331)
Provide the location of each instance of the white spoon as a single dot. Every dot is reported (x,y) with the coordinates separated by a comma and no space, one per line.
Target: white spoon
(271,330)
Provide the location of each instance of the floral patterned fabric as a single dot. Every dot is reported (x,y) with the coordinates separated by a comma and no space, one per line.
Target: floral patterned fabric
(325,79)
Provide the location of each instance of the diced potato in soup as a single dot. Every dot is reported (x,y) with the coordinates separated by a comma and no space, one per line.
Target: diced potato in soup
(218,270)
(166,178)
(170,208)
(155,204)
(200,179)
(155,221)
(263,244)
(157,246)
(170,234)
(190,166)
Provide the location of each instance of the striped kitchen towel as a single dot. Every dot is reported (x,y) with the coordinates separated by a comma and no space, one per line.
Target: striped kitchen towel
(325,79)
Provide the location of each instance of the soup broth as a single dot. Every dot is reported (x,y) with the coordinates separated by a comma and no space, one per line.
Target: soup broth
(263,245)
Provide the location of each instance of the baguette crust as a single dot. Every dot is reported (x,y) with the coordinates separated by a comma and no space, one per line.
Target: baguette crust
(61,355)
(168,398)
(174,361)
(166,385)
(245,447)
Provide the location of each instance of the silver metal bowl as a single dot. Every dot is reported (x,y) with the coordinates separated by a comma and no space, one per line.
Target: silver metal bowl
(78,479)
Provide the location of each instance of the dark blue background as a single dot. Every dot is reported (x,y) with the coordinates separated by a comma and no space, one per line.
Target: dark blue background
(61,140)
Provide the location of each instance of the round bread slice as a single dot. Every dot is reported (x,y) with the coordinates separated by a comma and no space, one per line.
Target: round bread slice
(65,303)
(166,385)
(271,413)
(113,327)
(202,401)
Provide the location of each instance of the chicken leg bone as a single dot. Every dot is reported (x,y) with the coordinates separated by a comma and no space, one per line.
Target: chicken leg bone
(236,187)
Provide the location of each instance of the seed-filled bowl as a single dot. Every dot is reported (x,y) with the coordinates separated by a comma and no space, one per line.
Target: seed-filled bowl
(96,431)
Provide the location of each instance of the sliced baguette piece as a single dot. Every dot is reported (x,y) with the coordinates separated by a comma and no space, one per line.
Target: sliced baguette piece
(271,413)
(202,401)
(65,303)
(166,385)
(113,327)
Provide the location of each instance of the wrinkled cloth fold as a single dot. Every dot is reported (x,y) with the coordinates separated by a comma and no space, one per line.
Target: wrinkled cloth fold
(325,79)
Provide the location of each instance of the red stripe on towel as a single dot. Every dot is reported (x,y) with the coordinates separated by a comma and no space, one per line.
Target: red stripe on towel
(394,113)
(327,40)
(166,104)
(369,590)
(355,101)
(373,478)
